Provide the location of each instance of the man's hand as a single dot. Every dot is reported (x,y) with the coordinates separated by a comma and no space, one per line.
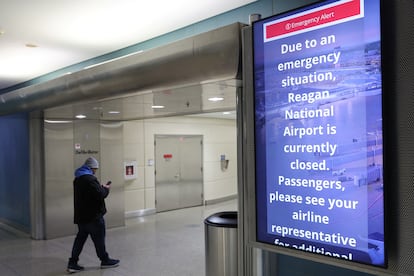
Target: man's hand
(107,185)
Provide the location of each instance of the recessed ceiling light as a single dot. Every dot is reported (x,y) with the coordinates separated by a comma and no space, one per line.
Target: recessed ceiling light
(31,45)
(80,116)
(157,106)
(226,113)
(215,99)
(57,122)
(113,112)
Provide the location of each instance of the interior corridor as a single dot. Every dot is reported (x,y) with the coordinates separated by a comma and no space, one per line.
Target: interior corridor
(164,244)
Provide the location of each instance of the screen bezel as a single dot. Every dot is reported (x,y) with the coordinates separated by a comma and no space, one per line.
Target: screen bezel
(299,253)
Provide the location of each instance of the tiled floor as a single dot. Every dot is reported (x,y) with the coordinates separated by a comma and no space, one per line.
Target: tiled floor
(165,244)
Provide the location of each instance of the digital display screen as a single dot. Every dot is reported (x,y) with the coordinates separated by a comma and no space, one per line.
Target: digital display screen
(318,130)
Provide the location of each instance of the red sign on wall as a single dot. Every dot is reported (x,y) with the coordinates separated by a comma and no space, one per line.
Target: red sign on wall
(168,156)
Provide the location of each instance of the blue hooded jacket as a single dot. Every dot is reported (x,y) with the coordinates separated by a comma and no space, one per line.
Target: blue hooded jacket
(82,171)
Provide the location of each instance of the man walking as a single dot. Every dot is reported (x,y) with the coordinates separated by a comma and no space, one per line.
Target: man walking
(89,209)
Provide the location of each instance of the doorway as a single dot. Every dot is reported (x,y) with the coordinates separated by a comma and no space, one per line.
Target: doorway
(178,171)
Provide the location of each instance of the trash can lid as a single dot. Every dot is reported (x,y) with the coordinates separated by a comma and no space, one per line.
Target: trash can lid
(223,219)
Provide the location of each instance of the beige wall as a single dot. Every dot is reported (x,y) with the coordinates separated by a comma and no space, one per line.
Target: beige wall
(219,137)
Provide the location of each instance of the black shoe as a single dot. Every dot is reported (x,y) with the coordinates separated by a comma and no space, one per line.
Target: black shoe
(109,263)
(72,268)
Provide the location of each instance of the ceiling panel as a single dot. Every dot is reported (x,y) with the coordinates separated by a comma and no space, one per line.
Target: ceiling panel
(41,36)
(216,97)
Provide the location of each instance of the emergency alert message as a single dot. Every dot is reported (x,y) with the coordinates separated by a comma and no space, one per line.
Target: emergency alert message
(303,190)
(298,99)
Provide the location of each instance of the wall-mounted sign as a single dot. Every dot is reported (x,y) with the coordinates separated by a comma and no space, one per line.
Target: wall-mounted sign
(130,170)
(167,156)
(89,151)
(318,130)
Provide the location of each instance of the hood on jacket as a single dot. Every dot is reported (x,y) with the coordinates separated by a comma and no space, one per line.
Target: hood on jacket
(83,171)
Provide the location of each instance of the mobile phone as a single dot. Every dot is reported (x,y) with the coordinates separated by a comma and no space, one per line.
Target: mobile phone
(109,183)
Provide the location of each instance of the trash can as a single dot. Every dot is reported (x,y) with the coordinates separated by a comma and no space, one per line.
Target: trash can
(221,240)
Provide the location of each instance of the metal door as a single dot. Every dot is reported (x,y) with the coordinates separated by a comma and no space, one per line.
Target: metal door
(178,171)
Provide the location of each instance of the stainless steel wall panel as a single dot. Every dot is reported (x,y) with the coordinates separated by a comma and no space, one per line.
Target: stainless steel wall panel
(111,162)
(37,175)
(86,142)
(58,179)
(67,145)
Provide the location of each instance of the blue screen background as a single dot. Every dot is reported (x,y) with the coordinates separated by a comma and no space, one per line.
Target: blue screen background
(350,132)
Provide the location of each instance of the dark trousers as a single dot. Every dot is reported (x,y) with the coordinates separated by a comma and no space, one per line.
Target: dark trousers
(96,229)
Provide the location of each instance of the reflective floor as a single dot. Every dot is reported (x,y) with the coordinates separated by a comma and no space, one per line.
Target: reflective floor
(169,243)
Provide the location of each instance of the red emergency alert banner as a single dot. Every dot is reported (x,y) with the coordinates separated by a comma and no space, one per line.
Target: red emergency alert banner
(337,12)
